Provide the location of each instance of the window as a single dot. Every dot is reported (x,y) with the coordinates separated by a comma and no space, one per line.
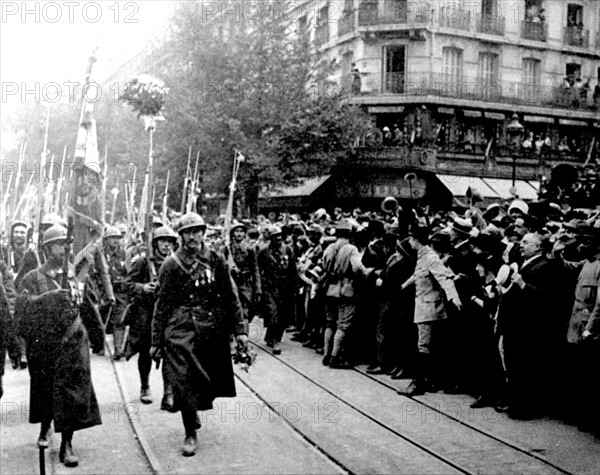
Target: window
(395,9)
(530,80)
(302,24)
(453,65)
(573,71)
(488,68)
(574,15)
(323,15)
(531,71)
(394,69)
(489,10)
(488,76)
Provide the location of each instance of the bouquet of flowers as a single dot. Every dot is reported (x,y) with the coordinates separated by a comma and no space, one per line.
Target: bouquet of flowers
(146,95)
(244,357)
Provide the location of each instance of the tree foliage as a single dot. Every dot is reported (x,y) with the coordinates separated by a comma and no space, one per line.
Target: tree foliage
(255,85)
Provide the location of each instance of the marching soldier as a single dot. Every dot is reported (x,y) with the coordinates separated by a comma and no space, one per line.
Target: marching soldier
(17,247)
(245,273)
(141,287)
(91,268)
(8,339)
(197,309)
(31,260)
(115,258)
(278,273)
(57,349)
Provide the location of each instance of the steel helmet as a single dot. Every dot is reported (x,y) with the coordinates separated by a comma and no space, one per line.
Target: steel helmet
(273,231)
(52,218)
(164,232)
(123,228)
(112,231)
(157,222)
(55,233)
(191,220)
(19,223)
(238,225)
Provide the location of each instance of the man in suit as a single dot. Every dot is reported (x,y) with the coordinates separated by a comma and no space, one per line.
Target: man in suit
(435,292)
(526,319)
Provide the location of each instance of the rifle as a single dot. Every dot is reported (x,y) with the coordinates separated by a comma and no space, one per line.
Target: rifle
(67,248)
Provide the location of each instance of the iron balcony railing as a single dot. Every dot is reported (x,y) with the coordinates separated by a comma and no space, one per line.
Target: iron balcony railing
(537,31)
(346,23)
(491,25)
(322,34)
(459,20)
(369,15)
(476,89)
(576,36)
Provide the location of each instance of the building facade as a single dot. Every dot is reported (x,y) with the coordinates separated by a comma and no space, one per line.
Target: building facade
(462,90)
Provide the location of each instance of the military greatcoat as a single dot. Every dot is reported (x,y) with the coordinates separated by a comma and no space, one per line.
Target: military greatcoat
(58,353)
(197,309)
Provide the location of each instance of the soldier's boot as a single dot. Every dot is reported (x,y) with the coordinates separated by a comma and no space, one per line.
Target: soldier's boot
(190,422)
(190,445)
(45,433)
(146,396)
(23,359)
(119,337)
(66,454)
(168,402)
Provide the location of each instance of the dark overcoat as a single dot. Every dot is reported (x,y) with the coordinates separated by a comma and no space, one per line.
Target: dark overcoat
(528,321)
(140,311)
(197,309)
(279,279)
(58,354)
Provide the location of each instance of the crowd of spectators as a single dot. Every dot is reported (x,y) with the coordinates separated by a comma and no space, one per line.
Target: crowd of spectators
(498,302)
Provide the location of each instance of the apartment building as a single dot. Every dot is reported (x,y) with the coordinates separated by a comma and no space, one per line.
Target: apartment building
(491,94)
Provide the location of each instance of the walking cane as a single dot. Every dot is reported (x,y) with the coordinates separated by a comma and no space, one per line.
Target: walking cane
(42,461)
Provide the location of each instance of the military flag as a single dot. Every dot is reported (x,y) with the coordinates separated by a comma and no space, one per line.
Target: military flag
(85,192)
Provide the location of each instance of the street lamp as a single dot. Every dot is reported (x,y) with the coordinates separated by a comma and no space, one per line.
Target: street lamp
(515,130)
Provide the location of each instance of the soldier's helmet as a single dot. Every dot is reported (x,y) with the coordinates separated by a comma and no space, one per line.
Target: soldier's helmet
(18,223)
(191,220)
(157,222)
(50,219)
(164,232)
(238,225)
(53,234)
(112,231)
(273,231)
(123,228)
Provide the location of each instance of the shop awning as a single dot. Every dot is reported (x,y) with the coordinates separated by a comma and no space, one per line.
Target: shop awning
(490,188)
(458,185)
(526,190)
(306,188)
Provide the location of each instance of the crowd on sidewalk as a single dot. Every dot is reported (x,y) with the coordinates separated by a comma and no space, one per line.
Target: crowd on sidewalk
(499,302)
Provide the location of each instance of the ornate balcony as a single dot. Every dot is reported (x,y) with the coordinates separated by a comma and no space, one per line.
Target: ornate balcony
(576,36)
(322,34)
(474,89)
(371,17)
(536,31)
(460,21)
(346,23)
(490,25)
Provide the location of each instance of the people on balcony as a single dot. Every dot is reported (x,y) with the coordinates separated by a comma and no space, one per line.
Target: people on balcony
(356,80)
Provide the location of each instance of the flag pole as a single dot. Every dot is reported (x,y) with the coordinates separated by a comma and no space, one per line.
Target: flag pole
(166,199)
(42,188)
(185,182)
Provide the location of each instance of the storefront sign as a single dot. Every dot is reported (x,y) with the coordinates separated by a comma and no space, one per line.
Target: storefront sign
(494,115)
(537,118)
(386,109)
